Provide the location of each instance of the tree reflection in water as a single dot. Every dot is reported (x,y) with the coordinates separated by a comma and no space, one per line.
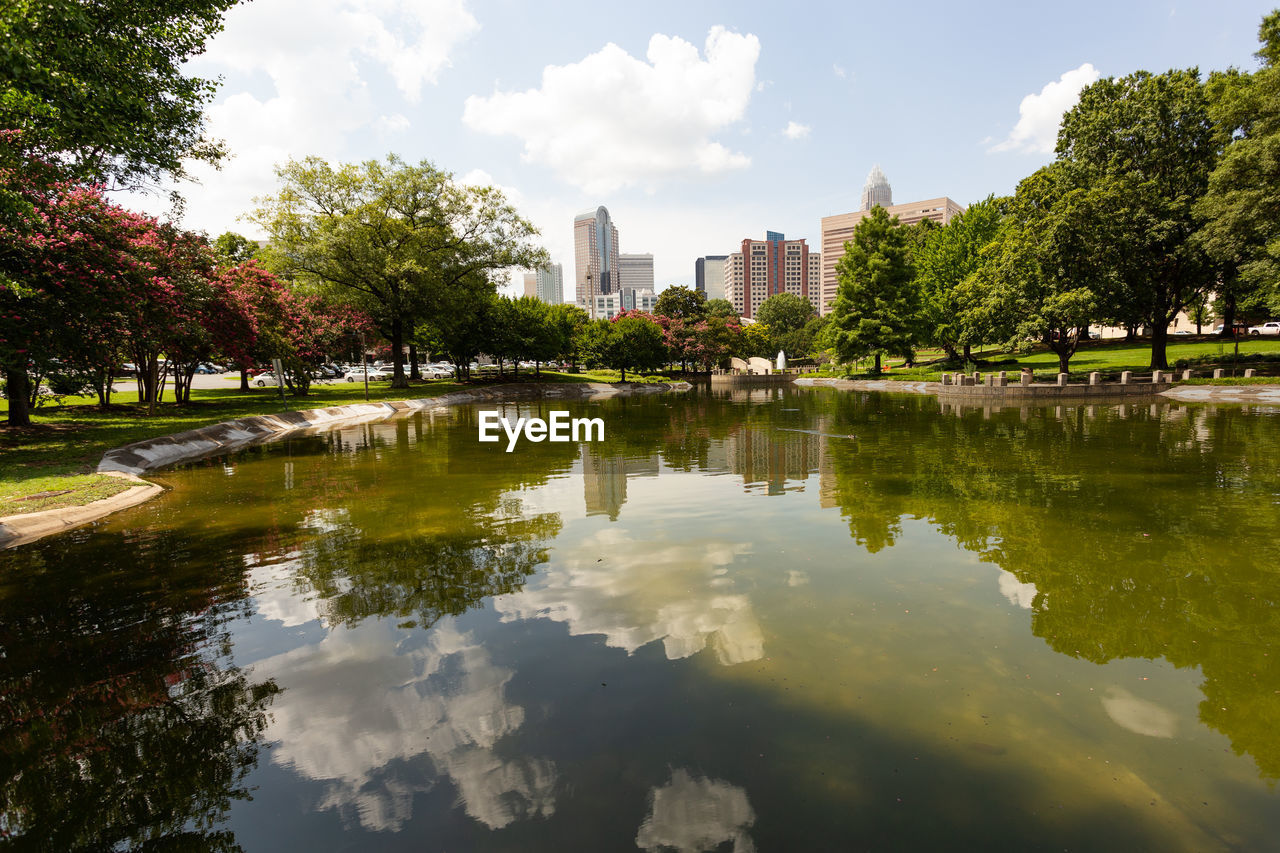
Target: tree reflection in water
(1150,551)
(122,720)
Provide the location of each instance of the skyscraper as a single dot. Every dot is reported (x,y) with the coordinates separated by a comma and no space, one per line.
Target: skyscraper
(530,284)
(595,254)
(876,191)
(551,284)
(767,267)
(635,272)
(708,275)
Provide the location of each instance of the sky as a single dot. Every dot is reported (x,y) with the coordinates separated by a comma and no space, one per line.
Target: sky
(697,124)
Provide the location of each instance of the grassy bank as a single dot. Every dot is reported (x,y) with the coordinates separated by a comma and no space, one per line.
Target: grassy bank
(66,441)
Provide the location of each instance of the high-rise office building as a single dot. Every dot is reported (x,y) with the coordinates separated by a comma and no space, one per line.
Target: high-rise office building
(635,272)
(530,284)
(708,275)
(838,229)
(768,267)
(595,255)
(550,284)
(876,191)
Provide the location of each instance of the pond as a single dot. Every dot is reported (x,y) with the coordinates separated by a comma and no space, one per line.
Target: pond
(769,620)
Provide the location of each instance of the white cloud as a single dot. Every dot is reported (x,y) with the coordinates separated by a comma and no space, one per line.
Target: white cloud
(795,130)
(318,56)
(613,120)
(679,594)
(1138,715)
(839,71)
(1019,594)
(692,813)
(444,700)
(1040,114)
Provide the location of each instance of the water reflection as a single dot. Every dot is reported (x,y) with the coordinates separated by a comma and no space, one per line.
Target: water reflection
(1128,531)
(124,720)
(634,592)
(692,814)
(365,703)
(933,598)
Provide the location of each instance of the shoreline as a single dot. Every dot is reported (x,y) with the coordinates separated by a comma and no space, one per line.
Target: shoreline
(1046,394)
(131,460)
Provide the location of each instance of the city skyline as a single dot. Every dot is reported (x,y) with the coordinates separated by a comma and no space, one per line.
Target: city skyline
(708,101)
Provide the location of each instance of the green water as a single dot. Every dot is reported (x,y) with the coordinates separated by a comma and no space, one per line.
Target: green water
(784,620)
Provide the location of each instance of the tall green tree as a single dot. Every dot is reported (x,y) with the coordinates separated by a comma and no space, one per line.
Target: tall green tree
(945,262)
(784,313)
(1148,143)
(722,308)
(1241,210)
(682,303)
(396,240)
(625,343)
(1052,258)
(876,298)
(100,88)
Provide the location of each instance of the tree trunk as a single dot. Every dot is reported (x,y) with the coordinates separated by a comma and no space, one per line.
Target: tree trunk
(876,369)
(1159,338)
(968,352)
(414,373)
(398,379)
(16,389)
(1064,358)
(244,379)
(1130,332)
(623,370)
(1228,316)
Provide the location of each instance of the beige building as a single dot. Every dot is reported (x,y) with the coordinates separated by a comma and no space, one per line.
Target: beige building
(531,284)
(838,229)
(770,266)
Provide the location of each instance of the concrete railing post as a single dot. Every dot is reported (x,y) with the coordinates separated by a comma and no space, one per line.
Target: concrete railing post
(1095,378)
(946,379)
(1186,374)
(1002,380)
(1062,380)
(1250,373)
(1126,377)
(1155,377)
(1025,378)
(1218,373)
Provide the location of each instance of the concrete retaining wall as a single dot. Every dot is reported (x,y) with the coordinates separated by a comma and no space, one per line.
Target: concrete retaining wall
(735,380)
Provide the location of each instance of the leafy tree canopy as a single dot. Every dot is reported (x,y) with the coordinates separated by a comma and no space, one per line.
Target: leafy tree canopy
(683,302)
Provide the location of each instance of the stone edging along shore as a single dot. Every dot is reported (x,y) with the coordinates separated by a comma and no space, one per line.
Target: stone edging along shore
(134,459)
(1036,394)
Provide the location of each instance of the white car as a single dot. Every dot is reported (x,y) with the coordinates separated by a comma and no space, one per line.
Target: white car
(262,380)
(358,375)
(1272,328)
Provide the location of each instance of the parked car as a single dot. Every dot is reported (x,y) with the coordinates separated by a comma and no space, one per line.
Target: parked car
(1183,332)
(1238,328)
(1271,328)
(262,380)
(358,375)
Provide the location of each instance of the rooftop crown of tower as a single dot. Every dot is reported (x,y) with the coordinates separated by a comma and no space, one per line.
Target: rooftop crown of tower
(876,191)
